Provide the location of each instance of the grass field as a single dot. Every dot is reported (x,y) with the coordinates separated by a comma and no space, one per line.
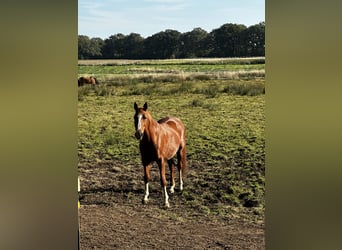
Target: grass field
(222,104)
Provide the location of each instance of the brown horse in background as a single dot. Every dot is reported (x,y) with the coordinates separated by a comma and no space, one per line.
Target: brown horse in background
(87,80)
(160,141)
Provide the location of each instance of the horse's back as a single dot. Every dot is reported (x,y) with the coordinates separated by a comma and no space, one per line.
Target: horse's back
(173,124)
(89,80)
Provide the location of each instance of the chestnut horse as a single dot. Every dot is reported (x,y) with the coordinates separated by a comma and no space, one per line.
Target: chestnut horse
(160,141)
(87,80)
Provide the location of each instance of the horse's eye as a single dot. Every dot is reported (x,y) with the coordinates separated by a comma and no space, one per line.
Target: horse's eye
(144,117)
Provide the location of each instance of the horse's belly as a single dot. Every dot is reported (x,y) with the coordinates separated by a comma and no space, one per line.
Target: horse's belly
(170,153)
(170,148)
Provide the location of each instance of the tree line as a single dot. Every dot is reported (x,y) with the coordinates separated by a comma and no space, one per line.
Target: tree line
(229,40)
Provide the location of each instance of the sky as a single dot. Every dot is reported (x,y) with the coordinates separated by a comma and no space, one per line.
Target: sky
(103,18)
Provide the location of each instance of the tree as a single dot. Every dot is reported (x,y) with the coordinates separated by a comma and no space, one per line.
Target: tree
(83,47)
(254,39)
(227,40)
(162,45)
(134,46)
(89,48)
(96,45)
(113,47)
(192,44)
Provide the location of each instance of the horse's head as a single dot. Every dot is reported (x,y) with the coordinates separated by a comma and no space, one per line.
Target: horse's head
(140,120)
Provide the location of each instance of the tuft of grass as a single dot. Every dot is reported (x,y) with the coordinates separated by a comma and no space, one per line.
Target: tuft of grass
(197,103)
(243,88)
(84,91)
(211,91)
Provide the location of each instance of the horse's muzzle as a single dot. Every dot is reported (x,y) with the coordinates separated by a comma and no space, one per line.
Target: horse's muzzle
(139,135)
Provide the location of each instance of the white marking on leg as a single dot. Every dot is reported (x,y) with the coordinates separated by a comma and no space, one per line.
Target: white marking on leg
(180,180)
(172,189)
(166,196)
(146,193)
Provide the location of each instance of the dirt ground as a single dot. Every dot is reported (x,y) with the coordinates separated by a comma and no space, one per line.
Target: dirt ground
(113,217)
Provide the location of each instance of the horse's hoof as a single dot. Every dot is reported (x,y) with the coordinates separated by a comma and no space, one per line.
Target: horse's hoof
(145,202)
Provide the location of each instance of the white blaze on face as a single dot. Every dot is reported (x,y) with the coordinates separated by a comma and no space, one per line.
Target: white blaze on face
(139,122)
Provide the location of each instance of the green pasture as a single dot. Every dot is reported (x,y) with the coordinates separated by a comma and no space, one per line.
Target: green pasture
(225,121)
(172,68)
(176,66)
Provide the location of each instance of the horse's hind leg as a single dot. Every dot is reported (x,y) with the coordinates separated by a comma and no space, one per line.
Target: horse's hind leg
(181,164)
(172,175)
(163,182)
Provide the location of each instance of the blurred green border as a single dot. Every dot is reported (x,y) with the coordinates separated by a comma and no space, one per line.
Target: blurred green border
(303,124)
(38,131)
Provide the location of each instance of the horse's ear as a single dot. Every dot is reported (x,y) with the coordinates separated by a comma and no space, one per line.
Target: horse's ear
(145,106)
(135,106)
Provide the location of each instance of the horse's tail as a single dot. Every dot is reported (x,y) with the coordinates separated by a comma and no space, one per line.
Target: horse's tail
(184,162)
(182,155)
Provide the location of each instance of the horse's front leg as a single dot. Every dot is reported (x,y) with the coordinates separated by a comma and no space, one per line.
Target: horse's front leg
(147,177)
(163,182)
